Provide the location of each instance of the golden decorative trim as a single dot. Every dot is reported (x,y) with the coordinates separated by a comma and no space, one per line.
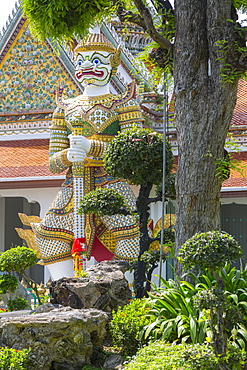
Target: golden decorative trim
(89,162)
(127,116)
(29,237)
(54,260)
(128,108)
(102,137)
(87,105)
(97,149)
(95,41)
(64,158)
(78,169)
(27,220)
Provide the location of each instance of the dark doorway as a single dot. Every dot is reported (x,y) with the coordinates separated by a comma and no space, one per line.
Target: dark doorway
(234,221)
(9,209)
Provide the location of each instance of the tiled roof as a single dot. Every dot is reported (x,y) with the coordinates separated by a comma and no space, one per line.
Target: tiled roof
(29,158)
(238,175)
(240,112)
(24,158)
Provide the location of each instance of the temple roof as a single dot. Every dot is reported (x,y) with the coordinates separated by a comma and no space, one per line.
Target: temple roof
(240,112)
(24,163)
(27,160)
(238,175)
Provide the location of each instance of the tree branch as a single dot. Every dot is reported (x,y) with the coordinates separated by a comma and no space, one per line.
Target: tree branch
(145,21)
(127,16)
(148,20)
(153,200)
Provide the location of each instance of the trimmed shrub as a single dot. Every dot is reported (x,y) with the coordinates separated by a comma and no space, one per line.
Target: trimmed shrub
(164,356)
(210,250)
(17,304)
(17,259)
(127,323)
(12,359)
(8,283)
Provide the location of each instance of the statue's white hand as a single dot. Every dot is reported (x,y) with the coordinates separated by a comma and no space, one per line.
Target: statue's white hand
(76,155)
(79,141)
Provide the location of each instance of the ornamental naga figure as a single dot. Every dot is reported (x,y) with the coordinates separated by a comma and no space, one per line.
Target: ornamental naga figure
(80,131)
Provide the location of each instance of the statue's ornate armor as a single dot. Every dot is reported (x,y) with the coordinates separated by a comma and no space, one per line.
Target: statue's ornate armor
(99,119)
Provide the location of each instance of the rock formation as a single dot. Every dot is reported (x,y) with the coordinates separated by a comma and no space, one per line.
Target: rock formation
(60,339)
(105,288)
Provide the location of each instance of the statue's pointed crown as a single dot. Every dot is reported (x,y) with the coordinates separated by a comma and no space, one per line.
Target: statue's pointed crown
(95,41)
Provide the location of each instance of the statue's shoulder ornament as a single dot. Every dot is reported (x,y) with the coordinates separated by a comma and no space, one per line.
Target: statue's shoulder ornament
(88,105)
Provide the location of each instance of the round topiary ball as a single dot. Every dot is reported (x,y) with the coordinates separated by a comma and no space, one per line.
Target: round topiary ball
(209,250)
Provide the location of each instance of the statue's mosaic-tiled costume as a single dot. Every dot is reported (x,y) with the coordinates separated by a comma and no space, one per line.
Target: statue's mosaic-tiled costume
(100,117)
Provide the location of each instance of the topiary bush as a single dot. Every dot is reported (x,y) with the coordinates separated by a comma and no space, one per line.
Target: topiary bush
(103,201)
(17,259)
(210,250)
(126,325)
(137,155)
(8,283)
(234,298)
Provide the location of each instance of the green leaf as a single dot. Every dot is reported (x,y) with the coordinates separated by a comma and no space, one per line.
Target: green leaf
(150,328)
(193,329)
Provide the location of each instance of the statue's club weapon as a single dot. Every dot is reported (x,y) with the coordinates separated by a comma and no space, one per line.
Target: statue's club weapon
(78,249)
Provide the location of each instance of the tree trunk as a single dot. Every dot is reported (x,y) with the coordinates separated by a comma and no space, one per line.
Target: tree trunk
(203,111)
(142,204)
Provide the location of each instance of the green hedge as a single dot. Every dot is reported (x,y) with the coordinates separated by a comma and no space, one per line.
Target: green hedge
(161,355)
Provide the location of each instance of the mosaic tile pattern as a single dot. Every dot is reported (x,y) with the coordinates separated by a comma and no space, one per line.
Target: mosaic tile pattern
(30,72)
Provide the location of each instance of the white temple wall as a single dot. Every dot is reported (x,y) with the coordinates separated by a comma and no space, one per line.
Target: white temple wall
(44,196)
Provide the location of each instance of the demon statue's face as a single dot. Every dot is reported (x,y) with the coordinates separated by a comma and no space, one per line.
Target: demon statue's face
(93,67)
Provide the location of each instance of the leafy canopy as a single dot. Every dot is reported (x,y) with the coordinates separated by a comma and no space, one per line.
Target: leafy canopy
(137,155)
(62,19)
(240,4)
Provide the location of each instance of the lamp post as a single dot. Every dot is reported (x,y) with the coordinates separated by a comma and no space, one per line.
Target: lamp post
(164,176)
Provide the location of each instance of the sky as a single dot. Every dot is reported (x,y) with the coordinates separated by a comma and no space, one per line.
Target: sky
(6,7)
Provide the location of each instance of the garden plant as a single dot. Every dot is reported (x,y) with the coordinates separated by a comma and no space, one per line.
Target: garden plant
(17,259)
(127,323)
(204,321)
(210,251)
(161,355)
(12,359)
